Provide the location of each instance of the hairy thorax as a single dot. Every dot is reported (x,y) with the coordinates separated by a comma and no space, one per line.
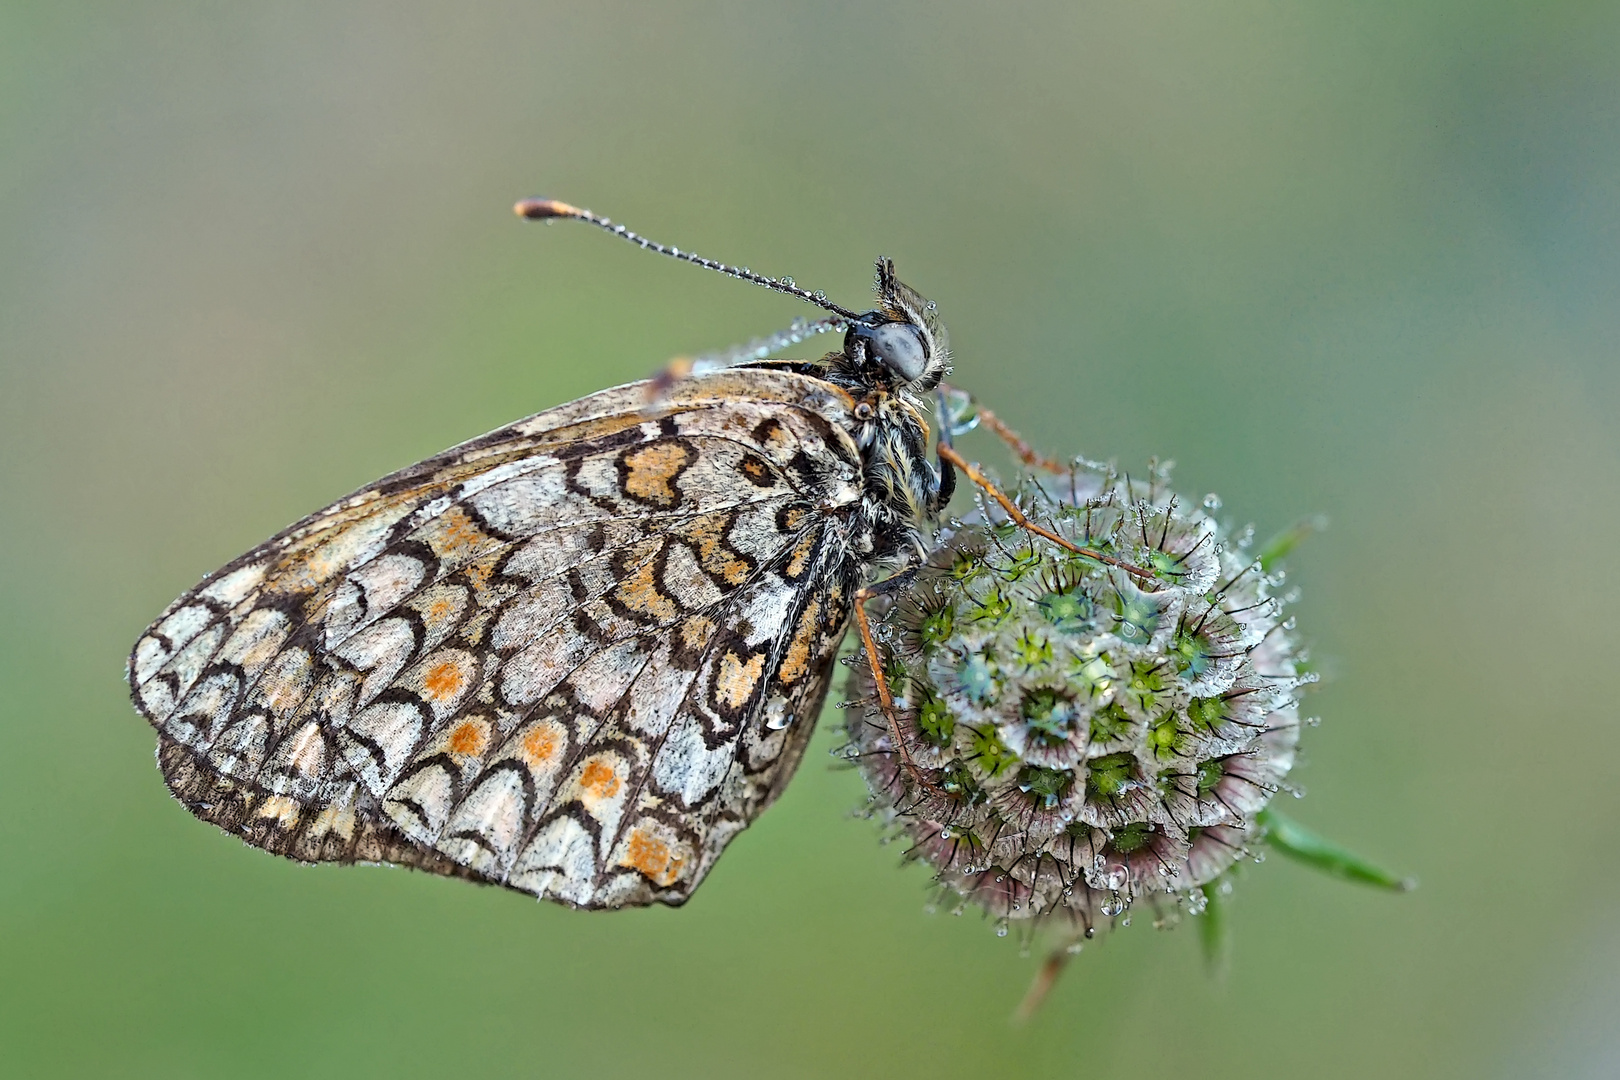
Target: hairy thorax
(893,439)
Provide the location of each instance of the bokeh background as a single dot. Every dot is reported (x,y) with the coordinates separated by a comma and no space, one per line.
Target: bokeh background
(1353,259)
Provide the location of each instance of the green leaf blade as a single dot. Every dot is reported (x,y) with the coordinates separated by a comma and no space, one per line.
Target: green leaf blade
(1297,842)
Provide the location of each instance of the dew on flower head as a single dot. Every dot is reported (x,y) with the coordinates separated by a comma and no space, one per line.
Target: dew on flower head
(1085,739)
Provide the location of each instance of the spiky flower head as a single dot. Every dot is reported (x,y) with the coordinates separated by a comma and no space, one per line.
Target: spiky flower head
(1073,736)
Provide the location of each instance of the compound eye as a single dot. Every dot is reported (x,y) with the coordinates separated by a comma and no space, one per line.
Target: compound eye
(900,348)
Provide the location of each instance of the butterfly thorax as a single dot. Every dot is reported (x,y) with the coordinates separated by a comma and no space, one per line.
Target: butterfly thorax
(900,484)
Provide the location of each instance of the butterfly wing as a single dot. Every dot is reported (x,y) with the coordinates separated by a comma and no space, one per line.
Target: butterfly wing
(574,656)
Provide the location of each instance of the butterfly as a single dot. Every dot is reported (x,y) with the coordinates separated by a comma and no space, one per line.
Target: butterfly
(575,656)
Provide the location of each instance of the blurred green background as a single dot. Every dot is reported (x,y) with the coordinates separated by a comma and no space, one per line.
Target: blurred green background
(1356,259)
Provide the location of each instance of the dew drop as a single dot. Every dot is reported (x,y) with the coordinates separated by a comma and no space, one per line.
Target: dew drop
(1212,501)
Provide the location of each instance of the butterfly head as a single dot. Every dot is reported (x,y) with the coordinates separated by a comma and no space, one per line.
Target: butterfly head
(903,339)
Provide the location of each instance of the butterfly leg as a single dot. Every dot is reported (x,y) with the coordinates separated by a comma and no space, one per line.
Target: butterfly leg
(1026,453)
(874,662)
(1020,447)
(944,473)
(949,454)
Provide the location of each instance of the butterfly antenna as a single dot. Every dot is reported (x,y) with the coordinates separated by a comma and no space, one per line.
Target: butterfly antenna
(546,209)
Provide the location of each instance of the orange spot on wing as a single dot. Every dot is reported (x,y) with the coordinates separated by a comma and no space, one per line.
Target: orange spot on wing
(649,853)
(734,682)
(454,533)
(649,472)
(640,593)
(469,737)
(757,471)
(599,780)
(799,560)
(479,570)
(696,631)
(797,661)
(691,638)
(538,747)
(708,535)
(443,680)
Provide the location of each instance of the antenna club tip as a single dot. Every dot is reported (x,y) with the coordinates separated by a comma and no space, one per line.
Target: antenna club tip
(542,209)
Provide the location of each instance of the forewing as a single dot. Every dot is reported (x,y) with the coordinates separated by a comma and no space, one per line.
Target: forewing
(574,656)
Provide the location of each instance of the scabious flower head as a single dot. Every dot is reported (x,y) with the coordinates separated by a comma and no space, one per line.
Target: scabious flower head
(1078,738)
